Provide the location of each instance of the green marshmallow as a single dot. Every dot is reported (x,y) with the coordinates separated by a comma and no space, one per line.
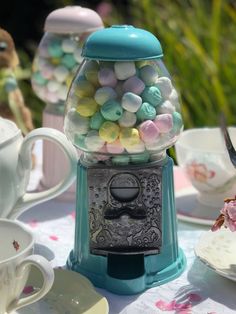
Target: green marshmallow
(68,61)
(146,112)
(54,49)
(140,158)
(37,78)
(96,121)
(111,110)
(120,160)
(79,141)
(177,122)
(152,95)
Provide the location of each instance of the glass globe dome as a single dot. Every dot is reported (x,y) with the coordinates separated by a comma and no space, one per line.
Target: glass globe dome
(59,53)
(123,108)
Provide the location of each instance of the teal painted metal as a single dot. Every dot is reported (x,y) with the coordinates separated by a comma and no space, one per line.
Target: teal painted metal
(158,269)
(122,43)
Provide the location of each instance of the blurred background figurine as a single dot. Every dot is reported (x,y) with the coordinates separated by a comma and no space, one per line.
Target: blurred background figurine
(12,105)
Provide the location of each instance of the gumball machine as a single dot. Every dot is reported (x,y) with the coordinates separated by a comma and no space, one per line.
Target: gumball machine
(55,64)
(123,113)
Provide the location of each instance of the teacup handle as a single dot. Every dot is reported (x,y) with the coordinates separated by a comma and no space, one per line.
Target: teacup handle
(24,162)
(48,277)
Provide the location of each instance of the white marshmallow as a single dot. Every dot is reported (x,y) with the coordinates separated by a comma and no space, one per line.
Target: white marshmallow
(165,86)
(137,148)
(131,102)
(61,73)
(93,141)
(77,55)
(68,45)
(166,107)
(148,75)
(124,70)
(75,123)
(104,94)
(62,93)
(53,86)
(128,119)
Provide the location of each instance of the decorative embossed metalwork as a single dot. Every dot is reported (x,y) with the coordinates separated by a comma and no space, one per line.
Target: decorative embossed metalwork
(125,210)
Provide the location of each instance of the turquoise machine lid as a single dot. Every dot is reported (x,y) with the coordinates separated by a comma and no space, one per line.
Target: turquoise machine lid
(122,42)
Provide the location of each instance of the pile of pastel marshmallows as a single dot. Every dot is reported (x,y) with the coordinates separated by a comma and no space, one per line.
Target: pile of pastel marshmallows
(53,69)
(122,107)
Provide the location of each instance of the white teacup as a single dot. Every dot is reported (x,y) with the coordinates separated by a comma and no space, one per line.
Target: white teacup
(16,244)
(203,156)
(15,166)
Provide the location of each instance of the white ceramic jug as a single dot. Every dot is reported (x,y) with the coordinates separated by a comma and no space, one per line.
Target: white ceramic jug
(15,166)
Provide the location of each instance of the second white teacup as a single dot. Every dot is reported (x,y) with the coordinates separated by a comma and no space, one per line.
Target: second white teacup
(202,153)
(16,258)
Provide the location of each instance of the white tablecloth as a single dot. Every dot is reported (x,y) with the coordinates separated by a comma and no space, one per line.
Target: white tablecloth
(198,290)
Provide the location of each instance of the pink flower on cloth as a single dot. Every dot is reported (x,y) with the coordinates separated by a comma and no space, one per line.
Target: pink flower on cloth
(227,218)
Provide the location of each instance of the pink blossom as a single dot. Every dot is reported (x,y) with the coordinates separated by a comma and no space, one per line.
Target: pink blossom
(229,212)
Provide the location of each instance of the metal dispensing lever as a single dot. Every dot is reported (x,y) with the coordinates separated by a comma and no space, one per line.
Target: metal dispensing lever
(227,139)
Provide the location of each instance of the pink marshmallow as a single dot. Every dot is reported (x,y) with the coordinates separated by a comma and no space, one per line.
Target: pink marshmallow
(102,151)
(134,85)
(148,131)
(115,147)
(164,122)
(106,77)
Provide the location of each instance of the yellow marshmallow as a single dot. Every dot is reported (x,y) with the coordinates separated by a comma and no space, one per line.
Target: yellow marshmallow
(109,131)
(84,89)
(129,137)
(87,107)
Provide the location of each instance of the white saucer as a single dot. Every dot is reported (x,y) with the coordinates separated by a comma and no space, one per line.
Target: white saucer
(71,293)
(217,250)
(189,209)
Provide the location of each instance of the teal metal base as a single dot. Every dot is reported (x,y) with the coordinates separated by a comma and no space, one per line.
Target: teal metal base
(128,274)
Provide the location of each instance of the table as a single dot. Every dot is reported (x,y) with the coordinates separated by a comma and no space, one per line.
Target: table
(198,290)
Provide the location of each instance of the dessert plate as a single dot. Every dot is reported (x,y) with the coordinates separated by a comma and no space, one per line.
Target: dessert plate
(71,293)
(189,209)
(217,250)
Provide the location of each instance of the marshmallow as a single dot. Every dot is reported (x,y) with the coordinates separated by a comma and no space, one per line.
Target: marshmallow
(111,110)
(128,119)
(51,97)
(148,75)
(47,72)
(104,94)
(75,123)
(54,48)
(148,131)
(164,85)
(146,112)
(134,85)
(53,86)
(115,147)
(122,160)
(61,73)
(152,95)
(131,102)
(136,148)
(37,78)
(109,131)
(140,158)
(87,107)
(62,93)
(124,70)
(79,141)
(77,55)
(91,72)
(69,61)
(164,122)
(93,141)
(96,121)
(177,122)
(69,45)
(174,99)
(129,137)
(106,77)
(166,107)
(84,89)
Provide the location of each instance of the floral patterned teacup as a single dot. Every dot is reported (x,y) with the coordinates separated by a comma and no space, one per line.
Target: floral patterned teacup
(16,257)
(203,156)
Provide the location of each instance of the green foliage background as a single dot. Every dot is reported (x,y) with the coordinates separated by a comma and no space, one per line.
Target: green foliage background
(199,42)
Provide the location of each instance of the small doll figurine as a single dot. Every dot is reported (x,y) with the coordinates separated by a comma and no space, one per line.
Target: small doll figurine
(12,104)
